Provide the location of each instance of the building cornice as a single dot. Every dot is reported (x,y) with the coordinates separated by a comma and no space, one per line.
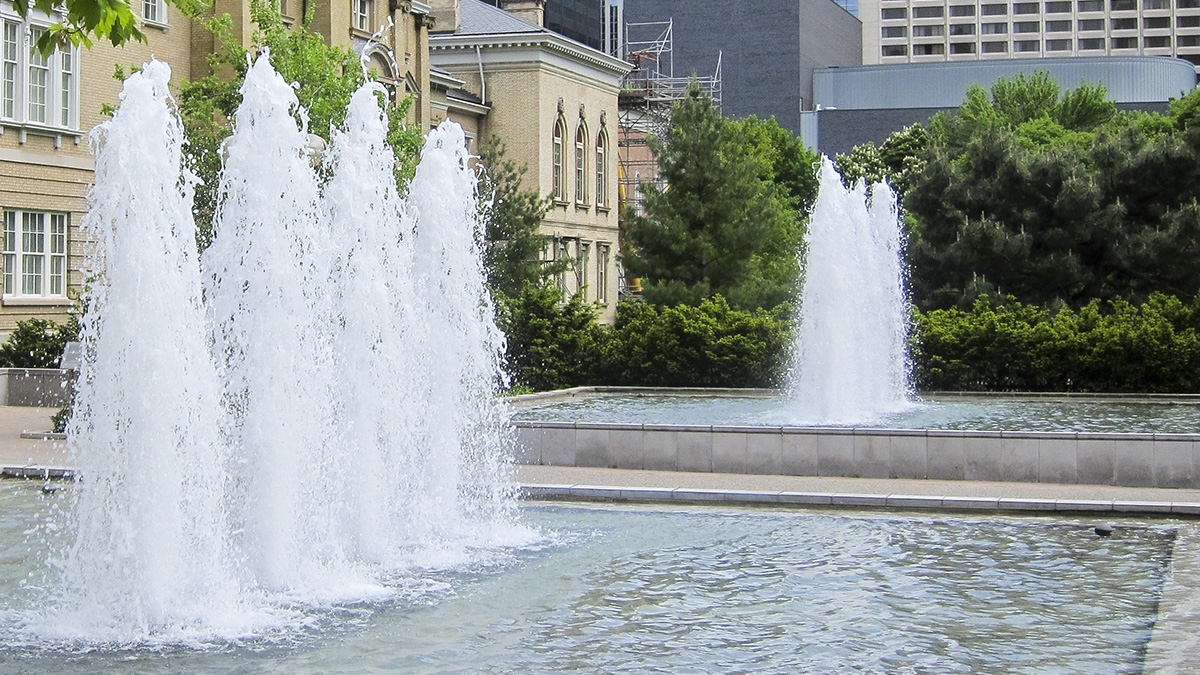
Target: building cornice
(540,40)
(445,80)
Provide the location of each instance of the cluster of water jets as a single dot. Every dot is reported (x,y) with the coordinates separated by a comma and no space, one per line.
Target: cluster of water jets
(851,362)
(301,413)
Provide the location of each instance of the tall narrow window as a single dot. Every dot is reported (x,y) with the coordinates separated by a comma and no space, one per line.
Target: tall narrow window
(601,273)
(35,253)
(601,169)
(582,264)
(11,66)
(39,80)
(560,191)
(362,14)
(66,90)
(581,164)
(154,11)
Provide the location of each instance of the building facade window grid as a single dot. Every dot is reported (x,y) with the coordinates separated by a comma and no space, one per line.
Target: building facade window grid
(1152,27)
(35,253)
(37,90)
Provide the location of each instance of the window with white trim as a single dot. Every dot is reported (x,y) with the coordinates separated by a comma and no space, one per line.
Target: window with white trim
(35,254)
(560,191)
(36,90)
(154,11)
(601,273)
(602,168)
(363,9)
(581,164)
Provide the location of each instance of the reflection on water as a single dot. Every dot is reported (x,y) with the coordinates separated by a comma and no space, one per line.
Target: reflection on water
(983,414)
(640,589)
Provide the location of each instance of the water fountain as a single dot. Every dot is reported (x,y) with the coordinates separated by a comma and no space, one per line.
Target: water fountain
(851,355)
(260,493)
(245,446)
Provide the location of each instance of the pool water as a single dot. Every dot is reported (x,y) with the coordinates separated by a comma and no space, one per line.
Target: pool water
(692,589)
(963,413)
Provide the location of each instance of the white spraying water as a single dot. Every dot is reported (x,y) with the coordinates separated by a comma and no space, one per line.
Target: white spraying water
(305,417)
(851,354)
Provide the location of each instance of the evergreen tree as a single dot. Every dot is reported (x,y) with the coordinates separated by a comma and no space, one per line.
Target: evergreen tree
(700,234)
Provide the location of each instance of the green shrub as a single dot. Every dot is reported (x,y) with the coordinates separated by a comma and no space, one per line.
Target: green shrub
(710,345)
(37,343)
(1102,347)
(550,344)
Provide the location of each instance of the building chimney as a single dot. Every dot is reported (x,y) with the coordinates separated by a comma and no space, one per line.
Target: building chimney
(444,14)
(526,10)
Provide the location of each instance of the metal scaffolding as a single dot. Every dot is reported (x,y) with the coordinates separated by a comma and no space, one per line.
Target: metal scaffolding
(644,104)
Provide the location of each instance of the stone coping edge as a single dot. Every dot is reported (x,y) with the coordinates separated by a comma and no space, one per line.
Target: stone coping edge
(43,436)
(730,391)
(36,472)
(861,431)
(613,493)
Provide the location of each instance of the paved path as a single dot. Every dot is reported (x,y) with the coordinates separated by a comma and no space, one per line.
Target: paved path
(558,481)
(20,452)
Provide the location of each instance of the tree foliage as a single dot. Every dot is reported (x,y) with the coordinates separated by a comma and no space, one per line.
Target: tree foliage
(712,229)
(1054,199)
(37,343)
(325,79)
(1112,346)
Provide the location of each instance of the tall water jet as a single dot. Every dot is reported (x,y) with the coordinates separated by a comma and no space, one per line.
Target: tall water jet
(267,288)
(462,347)
(304,417)
(851,356)
(151,547)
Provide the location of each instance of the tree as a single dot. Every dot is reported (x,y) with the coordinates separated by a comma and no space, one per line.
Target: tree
(700,234)
(1059,223)
(325,76)
(511,216)
(111,20)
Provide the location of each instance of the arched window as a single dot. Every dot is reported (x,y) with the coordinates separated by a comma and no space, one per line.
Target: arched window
(601,168)
(560,191)
(581,164)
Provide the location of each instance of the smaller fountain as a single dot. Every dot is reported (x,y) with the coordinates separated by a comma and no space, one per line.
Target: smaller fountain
(851,357)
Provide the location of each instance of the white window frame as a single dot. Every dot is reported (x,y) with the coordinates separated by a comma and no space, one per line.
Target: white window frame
(558,184)
(36,92)
(154,12)
(35,254)
(602,168)
(581,181)
(363,14)
(602,253)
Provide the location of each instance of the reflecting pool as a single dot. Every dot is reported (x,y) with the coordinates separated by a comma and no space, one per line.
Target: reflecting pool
(964,413)
(685,589)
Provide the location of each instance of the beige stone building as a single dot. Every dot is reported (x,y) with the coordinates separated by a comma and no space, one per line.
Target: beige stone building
(552,100)
(554,103)
(48,106)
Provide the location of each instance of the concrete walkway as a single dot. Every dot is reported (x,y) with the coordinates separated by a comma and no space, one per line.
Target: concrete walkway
(25,452)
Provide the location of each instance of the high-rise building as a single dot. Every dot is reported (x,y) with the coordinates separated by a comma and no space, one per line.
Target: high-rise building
(767,49)
(915,31)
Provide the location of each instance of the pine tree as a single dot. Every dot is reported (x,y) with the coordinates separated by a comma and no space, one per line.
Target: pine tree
(701,232)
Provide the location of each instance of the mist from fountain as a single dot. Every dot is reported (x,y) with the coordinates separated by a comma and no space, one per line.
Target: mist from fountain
(302,416)
(851,353)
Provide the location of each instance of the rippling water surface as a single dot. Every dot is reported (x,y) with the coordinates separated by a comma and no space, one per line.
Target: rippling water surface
(984,414)
(640,589)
